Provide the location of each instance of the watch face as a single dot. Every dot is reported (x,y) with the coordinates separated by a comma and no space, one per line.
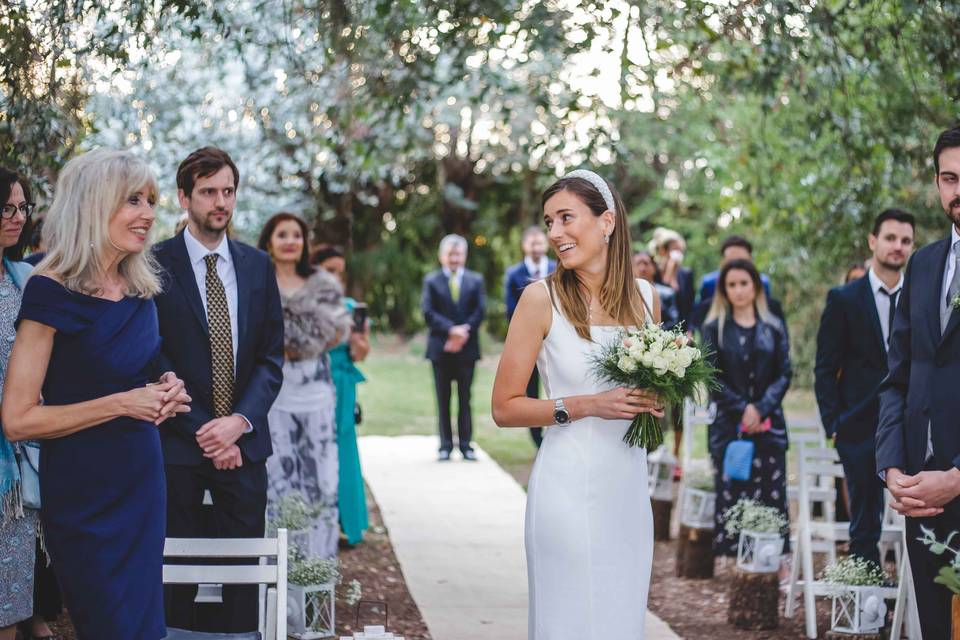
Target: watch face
(561,416)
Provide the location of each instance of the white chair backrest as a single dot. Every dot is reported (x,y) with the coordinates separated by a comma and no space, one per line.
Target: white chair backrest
(806,432)
(265,550)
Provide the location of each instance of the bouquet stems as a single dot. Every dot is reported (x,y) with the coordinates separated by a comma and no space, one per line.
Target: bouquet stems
(644,432)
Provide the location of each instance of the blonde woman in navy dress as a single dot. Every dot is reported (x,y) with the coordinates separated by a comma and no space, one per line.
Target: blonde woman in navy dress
(86,343)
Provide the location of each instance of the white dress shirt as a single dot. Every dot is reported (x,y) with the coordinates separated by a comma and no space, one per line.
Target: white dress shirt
(883,302)
(540,268)
(951,262)
(228,275)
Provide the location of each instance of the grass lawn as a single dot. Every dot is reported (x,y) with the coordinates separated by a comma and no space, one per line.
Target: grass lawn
(398,399)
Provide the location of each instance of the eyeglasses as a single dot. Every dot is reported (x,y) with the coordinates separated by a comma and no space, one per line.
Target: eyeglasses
(10,210)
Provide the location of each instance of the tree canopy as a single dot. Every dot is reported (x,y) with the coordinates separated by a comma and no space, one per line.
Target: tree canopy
(389,124)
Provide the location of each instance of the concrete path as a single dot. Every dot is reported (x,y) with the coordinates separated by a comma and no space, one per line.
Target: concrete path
(457,529)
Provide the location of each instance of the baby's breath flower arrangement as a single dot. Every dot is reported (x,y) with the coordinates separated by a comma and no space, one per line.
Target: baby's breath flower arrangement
(292,513)
(664,361)
(312,571)
(855,571)
(354,592)
(750,515)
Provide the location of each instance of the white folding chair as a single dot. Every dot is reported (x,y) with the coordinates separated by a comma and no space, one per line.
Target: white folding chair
(905,611)
(819,536)
(267,551)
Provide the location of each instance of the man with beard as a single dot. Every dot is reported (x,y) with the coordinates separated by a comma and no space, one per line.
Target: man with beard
(852,362)
(222,329)
(918,439)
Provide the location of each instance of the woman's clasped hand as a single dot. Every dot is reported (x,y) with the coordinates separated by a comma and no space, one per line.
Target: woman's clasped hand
(624,403)
(157,401)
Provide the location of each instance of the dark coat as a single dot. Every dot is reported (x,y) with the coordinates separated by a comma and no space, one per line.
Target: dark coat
(772,373)
(186,349)
(851,362)
(441,313)
(518,277)
(924,368)
(686,293)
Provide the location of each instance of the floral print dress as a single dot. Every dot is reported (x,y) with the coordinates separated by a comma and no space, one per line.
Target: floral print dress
(17,534)
(302,420)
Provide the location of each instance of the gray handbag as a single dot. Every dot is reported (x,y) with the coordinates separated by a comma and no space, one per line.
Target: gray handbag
(28,459)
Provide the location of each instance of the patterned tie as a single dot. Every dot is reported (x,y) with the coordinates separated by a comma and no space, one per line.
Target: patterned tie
(221,340)
(454,287)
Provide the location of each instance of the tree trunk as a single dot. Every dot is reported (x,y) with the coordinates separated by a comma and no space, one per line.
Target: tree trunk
(662,509)
(695,553)
(754,600)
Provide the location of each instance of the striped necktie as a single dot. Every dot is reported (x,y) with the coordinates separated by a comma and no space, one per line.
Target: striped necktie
(221,340)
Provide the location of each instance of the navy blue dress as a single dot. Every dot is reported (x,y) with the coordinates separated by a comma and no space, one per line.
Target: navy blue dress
(102,489)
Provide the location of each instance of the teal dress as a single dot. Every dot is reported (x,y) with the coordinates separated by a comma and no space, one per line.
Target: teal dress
(352,498)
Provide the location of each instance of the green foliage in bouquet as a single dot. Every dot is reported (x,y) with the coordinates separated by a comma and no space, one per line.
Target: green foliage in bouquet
(949,575)
(749,515)
(855,571)
(664,361)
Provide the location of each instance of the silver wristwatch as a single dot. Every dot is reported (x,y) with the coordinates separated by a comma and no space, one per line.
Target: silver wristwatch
(560,413)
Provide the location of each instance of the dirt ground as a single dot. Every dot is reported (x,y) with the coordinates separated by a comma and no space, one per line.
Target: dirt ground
(698,608)
(374,564)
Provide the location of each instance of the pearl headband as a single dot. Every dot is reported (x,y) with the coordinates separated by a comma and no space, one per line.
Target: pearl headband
(598,183)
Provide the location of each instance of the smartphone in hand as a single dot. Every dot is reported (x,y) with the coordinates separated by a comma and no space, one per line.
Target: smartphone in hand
(359,317)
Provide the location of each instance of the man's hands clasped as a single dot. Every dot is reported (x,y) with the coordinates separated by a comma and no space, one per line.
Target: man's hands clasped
(218,440)
(922,495)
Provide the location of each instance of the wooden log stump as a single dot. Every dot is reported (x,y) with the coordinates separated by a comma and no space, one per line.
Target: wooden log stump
(955,617)
(695,553)
(662,510)
(840,635)
(754,601)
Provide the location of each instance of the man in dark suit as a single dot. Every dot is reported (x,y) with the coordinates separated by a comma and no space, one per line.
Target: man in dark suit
(222,330)
(851,364)
(453,304)
(918,439)
(535,266)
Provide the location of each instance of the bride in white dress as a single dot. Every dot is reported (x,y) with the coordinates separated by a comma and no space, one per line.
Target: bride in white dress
(589,530)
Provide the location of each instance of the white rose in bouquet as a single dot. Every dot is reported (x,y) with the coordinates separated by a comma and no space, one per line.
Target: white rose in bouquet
(627,364)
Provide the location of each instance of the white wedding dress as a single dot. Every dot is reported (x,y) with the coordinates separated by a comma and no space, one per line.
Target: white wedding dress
(589,526)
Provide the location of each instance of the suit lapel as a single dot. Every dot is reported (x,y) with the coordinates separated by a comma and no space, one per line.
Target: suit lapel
(243,292)
(183,271)
(869,301)
(933,297)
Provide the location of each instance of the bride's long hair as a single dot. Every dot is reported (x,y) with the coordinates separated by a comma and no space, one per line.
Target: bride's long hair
(619,295)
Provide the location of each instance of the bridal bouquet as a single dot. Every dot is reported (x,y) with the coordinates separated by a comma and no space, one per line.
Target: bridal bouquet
(666,362)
